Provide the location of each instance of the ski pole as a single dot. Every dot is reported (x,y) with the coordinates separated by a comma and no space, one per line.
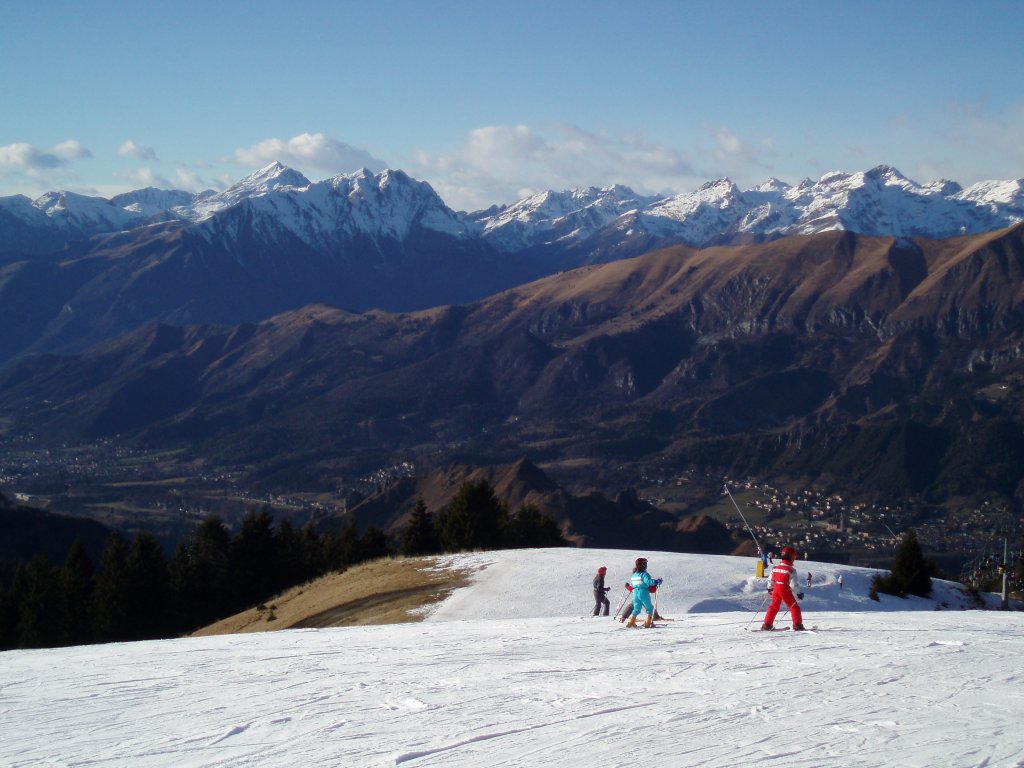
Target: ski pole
(622,602)
(759,608)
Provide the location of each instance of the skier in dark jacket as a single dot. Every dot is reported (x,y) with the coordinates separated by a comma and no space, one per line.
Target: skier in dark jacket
(601,592)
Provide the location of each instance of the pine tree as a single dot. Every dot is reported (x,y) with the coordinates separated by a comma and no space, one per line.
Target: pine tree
(475,519)
(341,548)
(373,544)
(208,574)
(8,618)
(110,597)
(288,559)
(78,577)
(910,568)
(254,560)
(311,547)
(40,605)
(147,599)
(530,527)
(420,535)
(911,572)
(182,587)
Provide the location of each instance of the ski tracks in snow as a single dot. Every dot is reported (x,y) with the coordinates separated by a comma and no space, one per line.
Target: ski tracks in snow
(913,689)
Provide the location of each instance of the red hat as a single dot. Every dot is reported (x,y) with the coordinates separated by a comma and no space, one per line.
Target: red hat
(602,569)
(788,553)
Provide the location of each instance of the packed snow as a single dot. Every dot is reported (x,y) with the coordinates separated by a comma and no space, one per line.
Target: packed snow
(512,670)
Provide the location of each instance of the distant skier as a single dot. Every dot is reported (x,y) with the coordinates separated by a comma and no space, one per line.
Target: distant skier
(784,578)
(840,580)
(601,592)
(641,582)
(809,577)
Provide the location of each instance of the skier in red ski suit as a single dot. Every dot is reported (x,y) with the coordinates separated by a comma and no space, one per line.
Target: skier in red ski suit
(784,578)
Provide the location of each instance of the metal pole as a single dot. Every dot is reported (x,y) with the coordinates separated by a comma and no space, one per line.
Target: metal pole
(1005,605)
(746,525)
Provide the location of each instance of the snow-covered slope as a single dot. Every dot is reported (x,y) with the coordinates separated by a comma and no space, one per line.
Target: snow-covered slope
(510,671)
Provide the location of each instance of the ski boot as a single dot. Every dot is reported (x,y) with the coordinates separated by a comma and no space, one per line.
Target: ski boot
(798,628)
(767,627)
(648,622)
(631,622)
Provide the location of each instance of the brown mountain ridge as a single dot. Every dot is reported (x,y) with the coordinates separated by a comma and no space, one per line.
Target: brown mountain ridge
(839,357)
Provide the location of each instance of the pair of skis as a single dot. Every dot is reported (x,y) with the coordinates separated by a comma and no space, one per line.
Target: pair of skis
(622,602)
(782,629)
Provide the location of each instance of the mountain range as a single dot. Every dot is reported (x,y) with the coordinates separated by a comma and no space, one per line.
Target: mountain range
(880,201)
(885,366)
(76,270)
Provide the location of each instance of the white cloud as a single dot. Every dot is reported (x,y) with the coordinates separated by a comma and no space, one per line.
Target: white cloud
(147,177)
(502,163)
(144,177)
(188,180)
(22,157)
(736,157)
(309,152)
(72,150)
(29,170)
(135,151)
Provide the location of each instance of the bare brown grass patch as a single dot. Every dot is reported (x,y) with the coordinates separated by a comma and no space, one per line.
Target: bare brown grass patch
(387,591)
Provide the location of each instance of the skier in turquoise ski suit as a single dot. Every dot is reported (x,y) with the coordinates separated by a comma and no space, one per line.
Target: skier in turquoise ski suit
(641,582)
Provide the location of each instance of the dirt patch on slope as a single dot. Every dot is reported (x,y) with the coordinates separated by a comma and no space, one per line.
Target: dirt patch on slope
(388,591)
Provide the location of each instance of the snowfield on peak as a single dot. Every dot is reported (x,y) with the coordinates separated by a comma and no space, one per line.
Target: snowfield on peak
(511,670)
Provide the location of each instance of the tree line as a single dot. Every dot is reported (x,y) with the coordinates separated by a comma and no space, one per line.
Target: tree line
(136,592)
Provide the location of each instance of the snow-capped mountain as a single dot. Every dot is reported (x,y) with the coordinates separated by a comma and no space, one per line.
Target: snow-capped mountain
(880,201)
(152,202)
(277,199)
(550,217)
(83,215)
(273,178)
(275,207)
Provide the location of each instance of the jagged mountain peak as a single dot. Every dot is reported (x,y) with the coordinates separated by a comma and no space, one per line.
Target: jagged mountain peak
(151,201)
(548,217)
(267,179)
(772,184)
(274,177)
(81,215)
(719,186)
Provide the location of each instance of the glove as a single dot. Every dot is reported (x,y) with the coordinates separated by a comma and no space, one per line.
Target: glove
(607,589)
(657,582)
(799,595)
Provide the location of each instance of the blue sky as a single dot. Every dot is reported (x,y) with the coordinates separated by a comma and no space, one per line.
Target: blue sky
(491,101)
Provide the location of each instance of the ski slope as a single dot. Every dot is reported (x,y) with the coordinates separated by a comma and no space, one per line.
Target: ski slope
(512,671)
